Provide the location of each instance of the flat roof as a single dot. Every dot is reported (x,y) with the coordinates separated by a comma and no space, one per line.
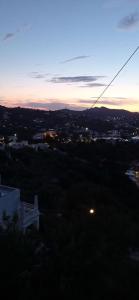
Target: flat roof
(6,190)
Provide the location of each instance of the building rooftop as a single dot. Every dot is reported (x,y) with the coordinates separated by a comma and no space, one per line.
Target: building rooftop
(4,190)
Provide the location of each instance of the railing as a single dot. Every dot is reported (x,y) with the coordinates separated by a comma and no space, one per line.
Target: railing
(30,214)
(30,218)
(28,205)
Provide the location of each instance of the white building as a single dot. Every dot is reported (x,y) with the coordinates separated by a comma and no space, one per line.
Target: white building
(39,146)
(19,145)
(11,206)
(13,138)
(135,139)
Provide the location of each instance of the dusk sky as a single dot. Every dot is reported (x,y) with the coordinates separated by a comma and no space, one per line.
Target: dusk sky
(62,53)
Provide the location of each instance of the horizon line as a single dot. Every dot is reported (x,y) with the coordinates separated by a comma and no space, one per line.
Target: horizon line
(70,109)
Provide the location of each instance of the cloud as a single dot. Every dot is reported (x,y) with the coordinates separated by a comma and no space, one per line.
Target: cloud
(114,101)
(56,104)
(75,58)
(75,79)
(4,101)
(49,105)
(10,35)
(123,98)
(38,75)
(91,85)
(129,22)
(73,103)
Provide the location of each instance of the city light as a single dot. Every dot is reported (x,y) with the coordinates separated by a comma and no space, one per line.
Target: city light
(91,211)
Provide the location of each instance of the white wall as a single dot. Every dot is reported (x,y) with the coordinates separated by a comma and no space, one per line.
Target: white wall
(10,203)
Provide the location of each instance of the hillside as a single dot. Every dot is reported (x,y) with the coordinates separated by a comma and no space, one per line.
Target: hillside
(99,113)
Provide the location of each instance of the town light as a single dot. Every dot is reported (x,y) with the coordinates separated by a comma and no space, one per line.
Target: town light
(91,211)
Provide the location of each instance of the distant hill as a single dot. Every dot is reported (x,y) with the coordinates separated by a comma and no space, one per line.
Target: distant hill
(26,121)
(102,113)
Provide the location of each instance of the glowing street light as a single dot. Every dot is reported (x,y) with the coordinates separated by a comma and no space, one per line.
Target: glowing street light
(91,211)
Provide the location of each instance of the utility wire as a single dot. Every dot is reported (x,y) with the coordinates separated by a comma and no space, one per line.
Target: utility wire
(117,74)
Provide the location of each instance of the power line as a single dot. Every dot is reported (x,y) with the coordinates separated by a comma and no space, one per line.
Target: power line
(117,74)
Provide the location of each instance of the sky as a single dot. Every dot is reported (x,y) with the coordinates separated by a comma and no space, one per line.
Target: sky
(62,53)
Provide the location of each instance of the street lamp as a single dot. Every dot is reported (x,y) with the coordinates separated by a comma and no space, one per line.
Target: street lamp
(91,211)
